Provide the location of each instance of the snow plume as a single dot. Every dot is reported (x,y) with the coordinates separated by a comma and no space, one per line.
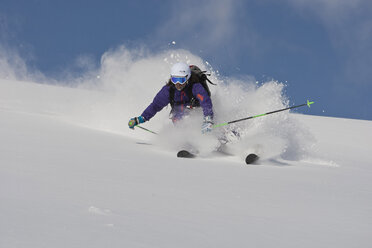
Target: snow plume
(14,58)
(276,135)
(14,67)
(127,81)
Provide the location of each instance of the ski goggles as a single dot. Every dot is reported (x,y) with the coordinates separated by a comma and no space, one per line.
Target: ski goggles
(179,80)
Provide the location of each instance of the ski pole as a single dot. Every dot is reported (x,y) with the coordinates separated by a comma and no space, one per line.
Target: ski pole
(308,103)
(146,129)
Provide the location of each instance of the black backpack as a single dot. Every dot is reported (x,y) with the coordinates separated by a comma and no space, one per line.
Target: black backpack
(197,76)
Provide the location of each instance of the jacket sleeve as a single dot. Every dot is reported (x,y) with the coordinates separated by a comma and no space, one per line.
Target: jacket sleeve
(204,99)
(160,101)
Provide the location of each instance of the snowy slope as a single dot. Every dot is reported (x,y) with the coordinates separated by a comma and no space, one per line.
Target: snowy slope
(68,179)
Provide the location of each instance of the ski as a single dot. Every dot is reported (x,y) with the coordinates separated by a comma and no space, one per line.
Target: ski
(185,154)
(251,158)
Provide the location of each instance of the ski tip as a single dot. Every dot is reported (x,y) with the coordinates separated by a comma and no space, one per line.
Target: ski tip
(309,103)
(251,158)
(185,154)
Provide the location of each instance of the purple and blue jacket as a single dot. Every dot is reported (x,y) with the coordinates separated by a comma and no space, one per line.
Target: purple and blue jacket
(181,102)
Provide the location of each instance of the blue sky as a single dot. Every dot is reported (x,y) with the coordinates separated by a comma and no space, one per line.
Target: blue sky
(321,48)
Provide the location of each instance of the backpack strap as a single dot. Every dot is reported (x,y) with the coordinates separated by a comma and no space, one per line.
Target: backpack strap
(172,90)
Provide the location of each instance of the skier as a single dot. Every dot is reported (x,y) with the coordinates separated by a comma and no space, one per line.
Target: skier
(183,91)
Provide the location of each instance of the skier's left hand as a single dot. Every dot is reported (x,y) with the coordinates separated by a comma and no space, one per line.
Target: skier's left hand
(207,124)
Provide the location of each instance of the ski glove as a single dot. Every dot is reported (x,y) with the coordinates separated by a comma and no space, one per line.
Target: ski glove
(207,124)
(135,121)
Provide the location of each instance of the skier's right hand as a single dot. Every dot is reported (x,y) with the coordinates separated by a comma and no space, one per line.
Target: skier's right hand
(207,124)
(135,121)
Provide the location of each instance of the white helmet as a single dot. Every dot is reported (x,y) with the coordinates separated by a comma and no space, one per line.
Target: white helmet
(181,70)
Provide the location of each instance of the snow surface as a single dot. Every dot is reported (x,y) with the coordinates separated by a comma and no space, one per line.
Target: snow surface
(73,175)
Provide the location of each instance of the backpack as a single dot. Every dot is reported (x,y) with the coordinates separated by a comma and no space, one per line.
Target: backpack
(197,76)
